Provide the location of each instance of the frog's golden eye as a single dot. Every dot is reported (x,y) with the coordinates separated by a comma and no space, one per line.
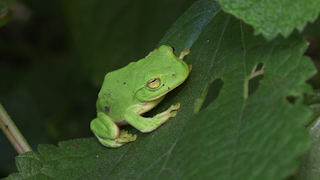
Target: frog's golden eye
(154,83)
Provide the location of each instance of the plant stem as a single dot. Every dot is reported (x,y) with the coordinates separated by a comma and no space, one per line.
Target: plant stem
(257,73)
(13,133)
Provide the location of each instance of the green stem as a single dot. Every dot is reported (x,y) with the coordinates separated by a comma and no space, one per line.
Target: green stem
(13,133)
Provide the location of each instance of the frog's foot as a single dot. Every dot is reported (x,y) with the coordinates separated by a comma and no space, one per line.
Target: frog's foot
(108,133)
(123,138)
(161,118)
(145,125)
(166,115)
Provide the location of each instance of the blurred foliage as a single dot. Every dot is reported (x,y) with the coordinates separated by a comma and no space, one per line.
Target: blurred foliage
(7,8)
(312,35)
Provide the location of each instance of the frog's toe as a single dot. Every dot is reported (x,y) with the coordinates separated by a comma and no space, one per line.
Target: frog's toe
(126,137)
(173,110)
(174,107)
(173,113)
(123,138)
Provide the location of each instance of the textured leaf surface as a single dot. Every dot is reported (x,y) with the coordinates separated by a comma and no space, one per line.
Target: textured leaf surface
(273,17)
(237,136)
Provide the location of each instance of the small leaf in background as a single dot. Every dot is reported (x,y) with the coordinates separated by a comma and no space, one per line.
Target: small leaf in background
(273,17)
(240,135)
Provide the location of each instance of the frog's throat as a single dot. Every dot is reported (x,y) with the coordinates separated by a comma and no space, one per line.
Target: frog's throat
(172,88)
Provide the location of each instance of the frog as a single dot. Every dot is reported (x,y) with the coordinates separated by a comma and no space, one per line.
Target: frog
(127,93)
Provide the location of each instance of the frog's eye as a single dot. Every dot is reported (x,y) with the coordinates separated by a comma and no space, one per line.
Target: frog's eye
(154,83)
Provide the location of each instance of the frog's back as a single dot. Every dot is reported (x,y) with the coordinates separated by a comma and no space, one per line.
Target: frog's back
(118,90)
(120,87)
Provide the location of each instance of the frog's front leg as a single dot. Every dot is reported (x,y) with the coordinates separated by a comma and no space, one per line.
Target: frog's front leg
(149,124)
(108,132)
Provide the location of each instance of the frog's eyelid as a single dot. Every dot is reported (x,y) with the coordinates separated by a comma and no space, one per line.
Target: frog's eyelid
(154,83)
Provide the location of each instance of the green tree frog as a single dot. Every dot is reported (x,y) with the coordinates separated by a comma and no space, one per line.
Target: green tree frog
(129,92)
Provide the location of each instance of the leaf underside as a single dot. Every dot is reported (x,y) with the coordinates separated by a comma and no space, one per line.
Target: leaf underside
(238,136)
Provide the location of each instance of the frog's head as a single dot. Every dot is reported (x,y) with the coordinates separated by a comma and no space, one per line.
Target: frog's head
(164,72)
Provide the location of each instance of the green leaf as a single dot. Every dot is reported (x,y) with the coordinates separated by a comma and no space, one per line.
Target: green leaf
(241,135)
(82,40)
(273,17)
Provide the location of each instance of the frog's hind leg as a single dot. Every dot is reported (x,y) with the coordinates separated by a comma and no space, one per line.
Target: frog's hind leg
(108,132)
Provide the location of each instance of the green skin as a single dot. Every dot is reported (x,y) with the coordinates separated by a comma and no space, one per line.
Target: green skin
(129,92)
